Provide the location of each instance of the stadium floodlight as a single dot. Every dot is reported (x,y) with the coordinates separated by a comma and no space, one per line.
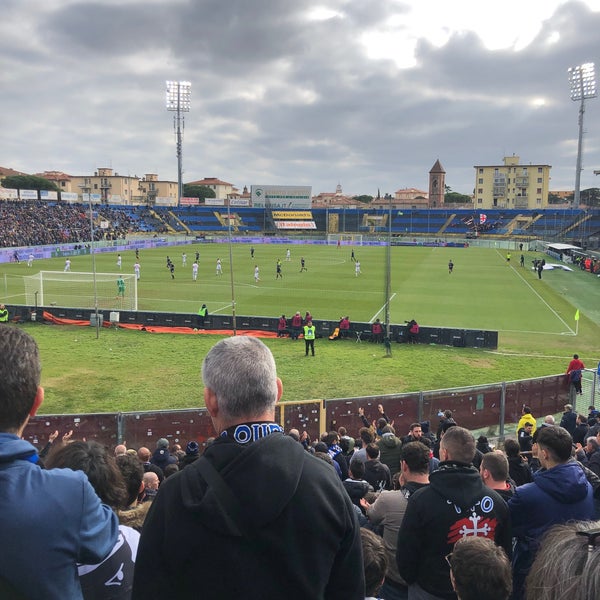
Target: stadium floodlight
(582,80)
(179,95)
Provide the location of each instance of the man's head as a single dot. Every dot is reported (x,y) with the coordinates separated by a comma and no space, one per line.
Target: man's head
(528,427)
(100,467)
(457,444)
(554,446)
(240,382)
(568,407)
(356,469)
(20,372)
(416,431)
(144,454)
(151,481)
(133,474)
(591,444)
(526,409)
(549,420)
(415,458)
(332,438)
(366,435)
(120,449)
(512,448)
(494,469)
(582,419)
(480,569)
(372,451)
(374,560)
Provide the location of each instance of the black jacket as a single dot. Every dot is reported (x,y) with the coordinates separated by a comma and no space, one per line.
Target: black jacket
(454,504)
(304,539)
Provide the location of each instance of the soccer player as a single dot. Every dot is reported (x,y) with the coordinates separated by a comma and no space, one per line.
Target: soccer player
(450,267)
(136,270)
(288,255)
(195,270)
(357,268)
(30,260)
(278,269)
(67,265)
(219,267)
(256,274)
(120,287)
(119,261)
(302,264)
(184,259)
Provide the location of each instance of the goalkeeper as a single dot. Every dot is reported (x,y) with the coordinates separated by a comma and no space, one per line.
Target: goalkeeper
(120,288)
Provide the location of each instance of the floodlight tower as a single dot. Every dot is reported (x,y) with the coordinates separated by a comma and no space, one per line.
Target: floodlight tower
(582,80)
(179,101)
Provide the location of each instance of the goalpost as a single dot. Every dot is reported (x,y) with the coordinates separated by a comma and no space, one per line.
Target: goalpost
(76,290)
(352,239)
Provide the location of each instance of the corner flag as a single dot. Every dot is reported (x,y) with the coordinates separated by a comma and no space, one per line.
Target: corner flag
(577,315)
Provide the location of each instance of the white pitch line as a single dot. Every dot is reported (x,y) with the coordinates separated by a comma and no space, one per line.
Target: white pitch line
(538,295)
(382,308)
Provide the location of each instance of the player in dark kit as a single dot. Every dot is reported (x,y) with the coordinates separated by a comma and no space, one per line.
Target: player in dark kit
(450,267)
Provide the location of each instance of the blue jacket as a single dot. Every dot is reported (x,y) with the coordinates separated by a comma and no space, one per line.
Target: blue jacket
(50,521)
(556,496)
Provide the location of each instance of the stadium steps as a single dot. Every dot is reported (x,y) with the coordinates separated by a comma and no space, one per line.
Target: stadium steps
(178,221)
(446,224)
(577,223)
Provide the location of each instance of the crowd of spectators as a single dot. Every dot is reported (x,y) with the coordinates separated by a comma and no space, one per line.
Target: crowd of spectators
(36,223)
(137,523)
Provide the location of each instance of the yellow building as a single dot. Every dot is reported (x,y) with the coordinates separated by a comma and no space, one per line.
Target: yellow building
(512,185)
(109,187)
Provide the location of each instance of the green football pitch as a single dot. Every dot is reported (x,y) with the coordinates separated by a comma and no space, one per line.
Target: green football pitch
(534,318)
(483,291)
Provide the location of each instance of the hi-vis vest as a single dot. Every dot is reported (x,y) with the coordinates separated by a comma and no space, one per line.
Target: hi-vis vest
(309,332)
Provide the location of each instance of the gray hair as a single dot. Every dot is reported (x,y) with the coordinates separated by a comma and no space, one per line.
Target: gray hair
(564,567)
(593,442)
(241,372)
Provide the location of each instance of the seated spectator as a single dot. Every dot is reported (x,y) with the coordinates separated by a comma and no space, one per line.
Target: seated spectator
(113,577)
(375,562)
(567,564)
(480,570)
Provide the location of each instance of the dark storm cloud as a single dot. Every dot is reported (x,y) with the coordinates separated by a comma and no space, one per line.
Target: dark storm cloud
(280,98)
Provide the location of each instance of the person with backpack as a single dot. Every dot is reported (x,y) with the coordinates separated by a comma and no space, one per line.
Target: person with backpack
(574,372)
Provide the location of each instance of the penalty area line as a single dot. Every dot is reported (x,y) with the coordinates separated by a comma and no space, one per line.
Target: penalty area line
(382,308)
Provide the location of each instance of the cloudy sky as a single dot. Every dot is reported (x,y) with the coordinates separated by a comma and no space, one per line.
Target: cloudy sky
(365,93)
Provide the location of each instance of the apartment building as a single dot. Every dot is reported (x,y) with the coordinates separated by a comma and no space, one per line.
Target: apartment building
(512,185)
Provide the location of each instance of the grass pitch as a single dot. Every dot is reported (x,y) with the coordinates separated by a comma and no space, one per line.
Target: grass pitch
(134,371)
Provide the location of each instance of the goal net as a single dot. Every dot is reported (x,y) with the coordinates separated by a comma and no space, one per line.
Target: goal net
(81,290)
(347,239)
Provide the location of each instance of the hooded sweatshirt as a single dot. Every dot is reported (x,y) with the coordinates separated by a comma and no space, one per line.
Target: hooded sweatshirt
(390,452)
(557,495)
(301,541)
(455,504)
(50,521)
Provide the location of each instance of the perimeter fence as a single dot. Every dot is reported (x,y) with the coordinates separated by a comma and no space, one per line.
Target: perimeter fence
(491,409)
